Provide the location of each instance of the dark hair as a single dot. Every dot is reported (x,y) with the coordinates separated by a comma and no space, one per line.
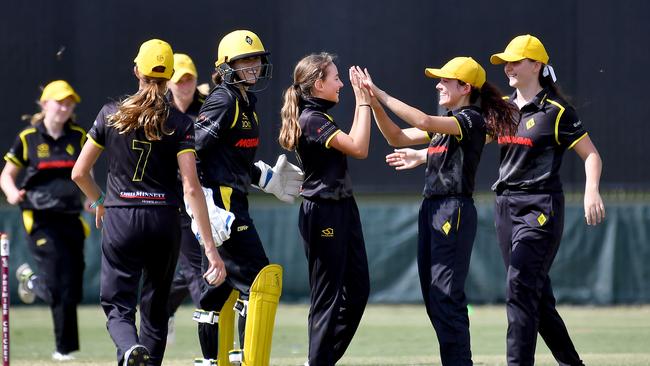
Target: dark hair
(501,117)
(548,83)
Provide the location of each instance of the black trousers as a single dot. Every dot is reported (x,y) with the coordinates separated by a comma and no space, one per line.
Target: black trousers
(338,275)
(244,257)
(138,243)
(529,229)
(56,241)
(446,232)
(188,277)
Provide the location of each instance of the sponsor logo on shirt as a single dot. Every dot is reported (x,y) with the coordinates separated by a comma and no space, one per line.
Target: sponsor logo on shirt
(55,164)
(516,140)
(436,150)
(242,228)
(248,142)
(245,122)
(146,197)
(327,233)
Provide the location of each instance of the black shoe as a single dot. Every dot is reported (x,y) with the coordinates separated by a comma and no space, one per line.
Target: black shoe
(137,355)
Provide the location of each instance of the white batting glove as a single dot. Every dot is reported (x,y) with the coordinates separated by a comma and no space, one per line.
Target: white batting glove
(283,180)
(220,220)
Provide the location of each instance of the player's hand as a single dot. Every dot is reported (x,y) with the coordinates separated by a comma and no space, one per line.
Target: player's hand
(216,273)
(403,159)
(366,81)
(99,216)
(16,197)
(87,204)
(594,207)
(362,95)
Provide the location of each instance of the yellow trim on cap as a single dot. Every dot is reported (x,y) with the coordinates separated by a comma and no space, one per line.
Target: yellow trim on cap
(459,129)
(92,140)
(577,140)
(28,220)
(557,119)
(186,150)
(327,143)
(24,141)
(226,192)
(234,122)
(14,160)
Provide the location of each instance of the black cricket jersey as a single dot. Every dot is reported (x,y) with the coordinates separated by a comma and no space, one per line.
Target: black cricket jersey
(452,160)
(227,136)
(48,163)
(194,107)
(531,160)
(326,169)
(142,172)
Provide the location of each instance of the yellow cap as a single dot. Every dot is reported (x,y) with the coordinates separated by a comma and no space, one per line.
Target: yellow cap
(522,47)
(59,90)
(183,65)
(460,68)
(155,55)
(239,44)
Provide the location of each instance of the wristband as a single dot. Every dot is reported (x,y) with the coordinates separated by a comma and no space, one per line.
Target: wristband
(99,202)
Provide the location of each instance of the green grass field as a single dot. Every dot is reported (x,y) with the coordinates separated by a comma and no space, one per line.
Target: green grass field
(388,335)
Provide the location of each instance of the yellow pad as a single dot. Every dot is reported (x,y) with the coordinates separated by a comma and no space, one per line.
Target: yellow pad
(260,318)
(226,329)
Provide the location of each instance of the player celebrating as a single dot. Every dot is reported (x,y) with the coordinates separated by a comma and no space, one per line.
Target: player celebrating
(51,204)
(530,203)
(329,220)
(227,136)
(447,222)
(147,142)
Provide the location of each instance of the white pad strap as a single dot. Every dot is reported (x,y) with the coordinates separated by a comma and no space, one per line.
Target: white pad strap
(205,362)
(202,316)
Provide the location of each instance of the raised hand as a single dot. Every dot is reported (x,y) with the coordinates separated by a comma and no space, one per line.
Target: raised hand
(361,93)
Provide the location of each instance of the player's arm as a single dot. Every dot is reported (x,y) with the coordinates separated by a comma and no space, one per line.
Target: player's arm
(394,135)
(593,203)
(8,183)
(194,196)
(356,143)
(411,115)
(82,176)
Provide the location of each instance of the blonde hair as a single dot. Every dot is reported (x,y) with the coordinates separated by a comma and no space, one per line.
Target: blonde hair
(148,108)
(307,71)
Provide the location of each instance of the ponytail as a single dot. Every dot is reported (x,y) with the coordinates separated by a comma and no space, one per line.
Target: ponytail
(547,82)
(307,71)
(501,117)
(148,108)
(290,131)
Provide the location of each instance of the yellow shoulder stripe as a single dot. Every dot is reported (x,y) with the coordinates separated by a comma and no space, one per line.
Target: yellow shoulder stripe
(234,121)
(459,129)
(428,134)
(12,158)
(186,151)
(23,138)
(92,140)
(329,139)
(577,140)
(82,131)
(557,119)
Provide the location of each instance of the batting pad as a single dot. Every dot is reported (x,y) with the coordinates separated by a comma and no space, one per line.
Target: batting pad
(260,320)
(226,328)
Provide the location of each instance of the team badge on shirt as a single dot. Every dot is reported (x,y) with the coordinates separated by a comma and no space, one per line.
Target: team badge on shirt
(69,149)
(530,124)
(43,151)
(245,122)
(327,233)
